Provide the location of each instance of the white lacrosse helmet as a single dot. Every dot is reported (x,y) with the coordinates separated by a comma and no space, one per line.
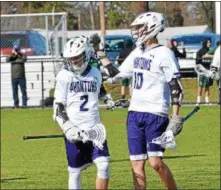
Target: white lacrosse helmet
(77,52)
(146,26)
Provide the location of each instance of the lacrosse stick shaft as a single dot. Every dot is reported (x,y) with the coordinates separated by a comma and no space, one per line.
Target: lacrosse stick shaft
(196,109)
(42,137)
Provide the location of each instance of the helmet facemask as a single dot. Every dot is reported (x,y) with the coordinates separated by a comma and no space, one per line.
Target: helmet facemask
(78,63)
(77,54)
(147,26)
(140,33)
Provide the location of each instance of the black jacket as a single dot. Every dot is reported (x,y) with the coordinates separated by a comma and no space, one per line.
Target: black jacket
(177,53)
(17,65)
(199,60)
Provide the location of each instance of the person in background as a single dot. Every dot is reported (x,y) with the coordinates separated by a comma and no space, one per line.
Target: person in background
(122,56)
(204,82)
(18,78)
(211,52)
(175,50)
(210,55)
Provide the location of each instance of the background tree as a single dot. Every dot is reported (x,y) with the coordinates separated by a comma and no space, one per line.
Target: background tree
(119,14)
(204,13)
(172,11)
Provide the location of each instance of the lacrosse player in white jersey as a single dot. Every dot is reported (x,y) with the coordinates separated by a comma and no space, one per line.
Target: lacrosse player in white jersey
(155,75)
(76,111)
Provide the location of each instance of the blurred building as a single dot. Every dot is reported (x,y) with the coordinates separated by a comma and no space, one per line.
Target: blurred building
(163,37)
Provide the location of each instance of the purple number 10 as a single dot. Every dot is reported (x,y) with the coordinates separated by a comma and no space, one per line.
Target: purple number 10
(138,80)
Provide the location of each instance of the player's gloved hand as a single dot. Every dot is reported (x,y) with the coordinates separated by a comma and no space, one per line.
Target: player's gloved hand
(71,132)
(95,41)
(175,124)
(109,101)
(109,81)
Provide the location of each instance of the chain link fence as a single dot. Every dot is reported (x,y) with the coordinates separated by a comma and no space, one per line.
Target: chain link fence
(36,34)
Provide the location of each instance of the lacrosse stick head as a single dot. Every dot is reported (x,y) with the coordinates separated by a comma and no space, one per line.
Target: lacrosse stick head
(166,140)
(123,103)
(96,134)
(200,70)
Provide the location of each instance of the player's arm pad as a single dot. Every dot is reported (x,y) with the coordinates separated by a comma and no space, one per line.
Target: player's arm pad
(176,91)
(60,114)
(112,71)
(71,131)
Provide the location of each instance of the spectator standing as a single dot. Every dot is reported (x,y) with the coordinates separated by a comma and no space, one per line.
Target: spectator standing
(175,50)
(122,56)
(211,52)
(210,55)
(18,60)
(204,82)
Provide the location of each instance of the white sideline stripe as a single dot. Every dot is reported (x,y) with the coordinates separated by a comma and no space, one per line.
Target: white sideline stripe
(36,106)
(183,105)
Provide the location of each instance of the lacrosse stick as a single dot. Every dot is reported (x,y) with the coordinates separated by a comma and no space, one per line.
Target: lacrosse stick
(119,103)
(96,134)
(42,137)
(207,73)
(167,139)
(123,103)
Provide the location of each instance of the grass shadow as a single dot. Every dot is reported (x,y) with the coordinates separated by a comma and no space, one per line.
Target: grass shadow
(165,157)
(184,156)
(13,179)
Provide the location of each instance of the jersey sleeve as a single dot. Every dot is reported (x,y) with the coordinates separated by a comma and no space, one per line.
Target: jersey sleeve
(216,58)
(61,88)
(170,66)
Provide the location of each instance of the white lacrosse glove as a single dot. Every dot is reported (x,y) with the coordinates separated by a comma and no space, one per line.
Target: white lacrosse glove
(110,104)
(71,132)
(109,101)
(96,134)
(175,124)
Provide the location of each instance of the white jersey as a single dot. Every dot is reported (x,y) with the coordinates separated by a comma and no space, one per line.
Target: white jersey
(80,95)
(151,70)
(216,58)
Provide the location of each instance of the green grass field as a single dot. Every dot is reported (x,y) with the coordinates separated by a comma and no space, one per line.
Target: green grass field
(41,164)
